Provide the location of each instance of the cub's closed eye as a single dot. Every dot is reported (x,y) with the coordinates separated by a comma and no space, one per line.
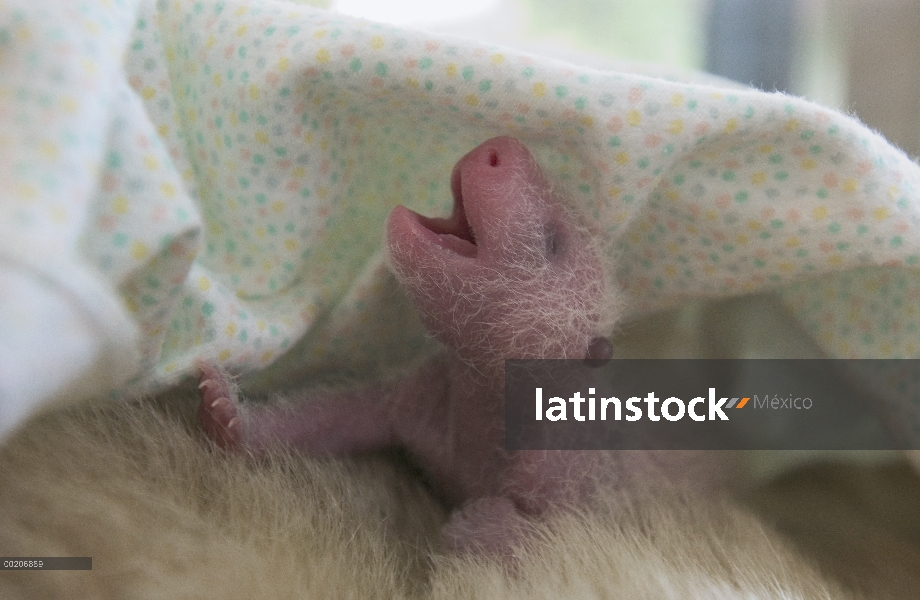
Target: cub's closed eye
(553,240)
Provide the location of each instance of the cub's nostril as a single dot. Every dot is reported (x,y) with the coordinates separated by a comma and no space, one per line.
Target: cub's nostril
(493,158)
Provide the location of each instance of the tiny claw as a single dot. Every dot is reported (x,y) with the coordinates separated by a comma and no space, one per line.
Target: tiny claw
(233,422)
(205,384)
(218,401)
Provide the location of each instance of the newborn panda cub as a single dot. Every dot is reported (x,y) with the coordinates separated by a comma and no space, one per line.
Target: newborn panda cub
(509,274)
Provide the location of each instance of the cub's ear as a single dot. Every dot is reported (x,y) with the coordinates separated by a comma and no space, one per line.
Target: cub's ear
(599,350)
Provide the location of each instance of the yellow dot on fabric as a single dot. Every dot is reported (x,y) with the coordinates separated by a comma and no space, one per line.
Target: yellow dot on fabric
(261,137)
(299,172)
(241,30)
(260,232)
(48,149)
(204,284)
(880,213)
(131,304)
(69,105)
(819,212)
(209,43)
(89,66)
(791,125)
(322,193)
(731,125)
(472,100)
(277,206)
(240,11)
(218,79)
(614,191)
(765,149)
(170,367)
(754,225)
(835,260)
(850,185)
(26,191)
(586,121)
(809,163)
(151,163)
(711,214)
(59,215)
(377,42)
(622,158)
(148,92)
(230,329)
(168,190)
(282,64)
(792,242)
(758,177)
(786,267)
(267,356)
(674,247)
(497,59)
(162,130)
(120,205)
(224,355)
(676,126)
(633,117)
(451,70)
(139,250)
(677,99)
(539,89)
(893,191)
(322,55)
(670,271)
(742,239)
(290,245)
(23,33)
(254,91)
(672,195)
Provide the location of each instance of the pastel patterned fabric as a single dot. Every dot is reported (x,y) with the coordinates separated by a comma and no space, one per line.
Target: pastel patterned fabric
(211,178)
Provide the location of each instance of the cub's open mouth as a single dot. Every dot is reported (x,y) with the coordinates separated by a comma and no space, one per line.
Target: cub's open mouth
(454,232)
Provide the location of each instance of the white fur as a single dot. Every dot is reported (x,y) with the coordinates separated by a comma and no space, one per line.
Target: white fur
(164,514)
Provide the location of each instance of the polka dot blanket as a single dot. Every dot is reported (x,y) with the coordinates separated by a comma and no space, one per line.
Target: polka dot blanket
(211,178)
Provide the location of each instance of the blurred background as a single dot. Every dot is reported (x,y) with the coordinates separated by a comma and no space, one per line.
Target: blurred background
(860,56)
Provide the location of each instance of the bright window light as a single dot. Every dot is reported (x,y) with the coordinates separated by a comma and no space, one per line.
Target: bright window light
(410,12)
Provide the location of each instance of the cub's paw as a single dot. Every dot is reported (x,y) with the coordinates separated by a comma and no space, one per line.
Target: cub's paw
(491,526)
(220,413)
